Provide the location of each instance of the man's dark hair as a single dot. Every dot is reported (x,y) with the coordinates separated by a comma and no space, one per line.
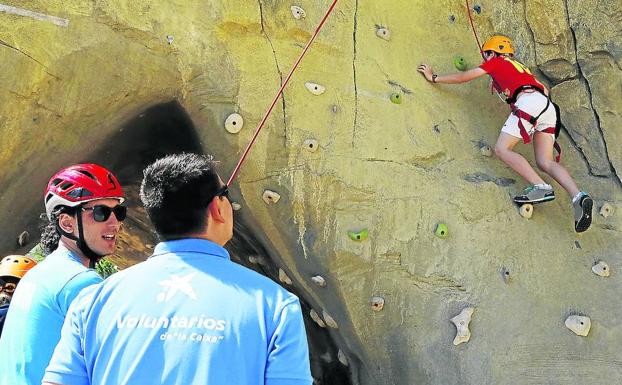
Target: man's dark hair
(50,236)
(176,191)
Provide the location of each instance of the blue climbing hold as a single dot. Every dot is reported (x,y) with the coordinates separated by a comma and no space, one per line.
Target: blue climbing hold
(477,9)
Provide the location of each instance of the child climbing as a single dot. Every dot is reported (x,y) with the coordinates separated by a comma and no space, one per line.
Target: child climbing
(533,115)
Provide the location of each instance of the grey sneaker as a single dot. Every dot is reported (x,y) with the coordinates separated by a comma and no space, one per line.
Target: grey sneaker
(535,194)
(582,212)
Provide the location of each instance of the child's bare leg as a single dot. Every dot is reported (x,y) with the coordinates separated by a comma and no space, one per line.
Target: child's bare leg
(503,150)
(543,150)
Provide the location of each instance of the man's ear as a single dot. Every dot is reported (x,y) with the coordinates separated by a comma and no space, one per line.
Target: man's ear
(66,223)
(214,210)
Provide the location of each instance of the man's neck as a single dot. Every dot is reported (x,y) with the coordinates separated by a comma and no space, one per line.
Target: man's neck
(73,247)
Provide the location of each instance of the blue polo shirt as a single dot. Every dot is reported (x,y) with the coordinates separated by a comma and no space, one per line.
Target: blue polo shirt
(35,317)
(187,315)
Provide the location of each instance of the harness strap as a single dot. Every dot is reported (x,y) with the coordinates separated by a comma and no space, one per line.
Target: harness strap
(533,120)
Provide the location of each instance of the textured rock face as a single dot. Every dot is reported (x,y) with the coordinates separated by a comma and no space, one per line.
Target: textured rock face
(392,171)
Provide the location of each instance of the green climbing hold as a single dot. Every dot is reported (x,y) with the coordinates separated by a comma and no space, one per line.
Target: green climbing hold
(460,63)
(396,98)
(358,235)
(441,231)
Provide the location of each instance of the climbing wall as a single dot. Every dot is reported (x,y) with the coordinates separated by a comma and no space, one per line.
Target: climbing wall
(374,192)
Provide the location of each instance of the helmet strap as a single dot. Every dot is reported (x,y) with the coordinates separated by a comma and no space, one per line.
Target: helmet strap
(80,241)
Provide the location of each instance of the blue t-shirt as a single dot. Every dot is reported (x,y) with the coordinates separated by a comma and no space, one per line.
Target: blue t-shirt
(35,318)
(187,315)
(3,310)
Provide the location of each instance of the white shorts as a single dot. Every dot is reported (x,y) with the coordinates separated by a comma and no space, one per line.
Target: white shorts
(532,103)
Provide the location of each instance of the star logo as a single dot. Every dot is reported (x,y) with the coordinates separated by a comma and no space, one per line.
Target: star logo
(176,284)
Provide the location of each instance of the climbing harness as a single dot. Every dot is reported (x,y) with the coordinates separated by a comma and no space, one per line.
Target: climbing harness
(236,170)
(533,120)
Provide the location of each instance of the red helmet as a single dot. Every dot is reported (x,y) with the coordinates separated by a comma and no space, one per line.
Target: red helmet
(75,185)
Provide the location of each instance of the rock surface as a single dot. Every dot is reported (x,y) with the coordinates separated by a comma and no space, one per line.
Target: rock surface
(125,82)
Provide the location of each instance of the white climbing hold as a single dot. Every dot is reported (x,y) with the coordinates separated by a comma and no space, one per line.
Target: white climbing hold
(377,303)
(526,210)
(315,89)
(606,210)
(283,277)
(601,268)
(236,206)
(271,197)
(315,317)
(298,12)
(383,33)
(342,357)
(23,238)
(329,320)
(319,280)
(580,325)
(462,320)
(234,123)
(169,39)
(311,145)
(486,151)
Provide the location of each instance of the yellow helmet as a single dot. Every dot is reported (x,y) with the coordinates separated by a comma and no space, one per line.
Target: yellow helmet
(499,44)
(16,266)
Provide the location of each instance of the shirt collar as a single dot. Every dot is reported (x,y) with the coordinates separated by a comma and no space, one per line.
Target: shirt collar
(191,245)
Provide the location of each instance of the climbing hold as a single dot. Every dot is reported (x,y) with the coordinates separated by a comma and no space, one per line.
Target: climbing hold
(236,206)
(315,89)
(270,197)
(462,320)
(452,18)
(477,9)
(441,231)
(526,210)
(505,274)
(486,150)
(358,235)
(335,108)
(319,280)
(283,277)
(383,33)
(601,268)
(298,12)
(377,303)
(310,144)
(329,320)
(341,356)
(169,39)
(396,98)
(460,63)
(234,123)
(23,238)
(580,325)
(315,317)
(606,210)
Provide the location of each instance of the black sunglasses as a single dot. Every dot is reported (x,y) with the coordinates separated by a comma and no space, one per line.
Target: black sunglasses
(101,213)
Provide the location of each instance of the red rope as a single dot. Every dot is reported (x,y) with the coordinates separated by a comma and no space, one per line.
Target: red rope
(473,27)
(236,170)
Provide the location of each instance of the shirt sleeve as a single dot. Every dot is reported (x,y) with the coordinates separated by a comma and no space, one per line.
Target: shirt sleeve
(68,364)
(74,286)
(489,66)
(288,352)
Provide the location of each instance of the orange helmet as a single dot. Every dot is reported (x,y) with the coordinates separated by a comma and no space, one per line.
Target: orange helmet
(16,266)
(499,44)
